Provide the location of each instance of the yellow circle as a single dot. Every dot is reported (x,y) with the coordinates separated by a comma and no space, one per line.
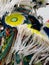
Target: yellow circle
(14,19)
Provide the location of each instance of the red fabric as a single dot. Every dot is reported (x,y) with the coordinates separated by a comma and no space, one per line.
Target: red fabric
(7,32)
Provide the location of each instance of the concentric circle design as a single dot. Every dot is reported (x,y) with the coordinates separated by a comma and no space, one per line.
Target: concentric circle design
(14,19)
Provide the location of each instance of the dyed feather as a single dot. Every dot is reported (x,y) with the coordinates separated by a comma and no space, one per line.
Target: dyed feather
(38,45)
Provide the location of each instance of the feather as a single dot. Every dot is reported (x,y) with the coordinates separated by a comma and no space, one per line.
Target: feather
(38,45)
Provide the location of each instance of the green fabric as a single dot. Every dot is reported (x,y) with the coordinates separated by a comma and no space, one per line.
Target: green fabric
(14,19)
(18,58)
(9,43)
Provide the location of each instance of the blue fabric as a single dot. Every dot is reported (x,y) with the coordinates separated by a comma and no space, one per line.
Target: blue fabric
(2,33)
(35,23)
(46,30)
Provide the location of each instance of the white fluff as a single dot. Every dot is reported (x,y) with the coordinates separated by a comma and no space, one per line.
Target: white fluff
(38,46)
(7,6)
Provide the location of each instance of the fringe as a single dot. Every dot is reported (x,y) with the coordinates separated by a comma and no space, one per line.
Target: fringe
(32,43)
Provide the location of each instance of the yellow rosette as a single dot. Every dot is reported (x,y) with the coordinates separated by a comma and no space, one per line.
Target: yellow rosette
(14,19)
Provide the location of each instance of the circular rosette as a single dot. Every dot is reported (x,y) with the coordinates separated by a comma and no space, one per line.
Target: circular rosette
(14,19)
